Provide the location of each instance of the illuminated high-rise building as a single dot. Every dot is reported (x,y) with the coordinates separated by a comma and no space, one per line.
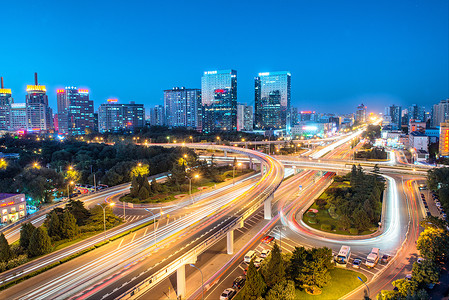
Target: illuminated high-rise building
(245,117)
(440,113)
(360,114)
(219,100)
(272,100)
(75,111)
(114,116)
(394,114)
(157,115)
(5,107)
(39,114)
(444,139)
(18,117)
(182,107)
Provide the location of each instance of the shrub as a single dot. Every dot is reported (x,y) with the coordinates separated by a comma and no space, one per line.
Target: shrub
(353,231)
(326,227)
(184,188)
(321,203)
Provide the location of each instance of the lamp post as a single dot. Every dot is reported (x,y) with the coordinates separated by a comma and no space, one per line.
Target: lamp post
(281,227)
(359,278)
(233,172)
(202,282)
(104,216)
(154,224)
(68,189)
(190,185)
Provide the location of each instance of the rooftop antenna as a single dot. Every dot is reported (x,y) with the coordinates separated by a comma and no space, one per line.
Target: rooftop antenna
(35,78)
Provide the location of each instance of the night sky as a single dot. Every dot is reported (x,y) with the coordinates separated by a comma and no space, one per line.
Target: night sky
(340,53)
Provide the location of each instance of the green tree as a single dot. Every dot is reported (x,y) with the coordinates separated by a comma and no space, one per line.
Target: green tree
(388,295)
(26,231)
(77,209)
(5,249)
(433,222)
(68,225)
(405,287)
(275,271)
(54,225)
(96,217)
(284,290)
(255,286)
(135,186)
(140,170)
(143,193)
(40,243)
(433,243)
(155,187)
(425,272)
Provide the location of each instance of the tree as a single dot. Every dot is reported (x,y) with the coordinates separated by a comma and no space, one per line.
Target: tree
(426,272)
(433,222)
(40,243)
(5,249)
(68,224)
(140,170)
(143,193)
(255,286)
(134,190)
(155,187)
(26,231)
(97,216)
(284,290)
(433,243)
(54,225)
(388,295)
(376,169)
(405,287)
(275,271)
(77,209)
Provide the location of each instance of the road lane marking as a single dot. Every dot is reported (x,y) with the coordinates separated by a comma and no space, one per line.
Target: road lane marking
(120,243)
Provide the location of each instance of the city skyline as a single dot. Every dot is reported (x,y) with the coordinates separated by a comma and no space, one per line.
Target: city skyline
(358,53)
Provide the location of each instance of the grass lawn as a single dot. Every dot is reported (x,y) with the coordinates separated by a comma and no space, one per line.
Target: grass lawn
(343,281)
(323,216)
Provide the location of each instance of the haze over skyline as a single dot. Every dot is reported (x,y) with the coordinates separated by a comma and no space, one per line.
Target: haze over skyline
(339,53)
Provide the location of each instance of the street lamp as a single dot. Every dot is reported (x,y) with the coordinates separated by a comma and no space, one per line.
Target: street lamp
(359,278)
(233,171)
(190,184)
(281,227)
(68,185)
(202,282)
(104,216)
(154,224)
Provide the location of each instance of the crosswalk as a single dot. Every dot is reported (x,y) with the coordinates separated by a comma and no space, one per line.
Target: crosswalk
(130,219)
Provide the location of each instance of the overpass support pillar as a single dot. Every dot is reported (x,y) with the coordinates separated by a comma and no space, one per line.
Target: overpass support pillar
(230,241)
(267,207)
(181,281)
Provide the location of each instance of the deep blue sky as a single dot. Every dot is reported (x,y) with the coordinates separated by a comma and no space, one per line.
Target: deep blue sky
(340,53)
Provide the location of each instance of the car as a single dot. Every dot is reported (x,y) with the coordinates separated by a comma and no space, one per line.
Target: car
(239,282)
(268,239)
(249,256)
(227,294)
(444,216)
(356,263)
(429,214)
(408,277)
(422,195)
(420,260)
(265,253)
(258,261)
(385,258)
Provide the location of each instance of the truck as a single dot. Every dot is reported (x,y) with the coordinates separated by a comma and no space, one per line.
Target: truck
(373,258)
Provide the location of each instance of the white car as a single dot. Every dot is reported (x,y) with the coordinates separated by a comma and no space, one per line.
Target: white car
(265,253)
(227,294)
(258,261)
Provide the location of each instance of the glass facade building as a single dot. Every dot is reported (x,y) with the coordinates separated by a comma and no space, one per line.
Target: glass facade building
(75,111)
(272,100)
(5,107)
(39,114)
(113,116)
(219,100)
(182,107)
(245,117)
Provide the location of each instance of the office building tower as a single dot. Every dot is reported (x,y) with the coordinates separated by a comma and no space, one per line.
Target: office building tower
(294,116)
(39,114)
(440,112)
(157,116)
(182,107)
(444,139)
(416,112)
(219,100)
(395,116)
(307,115)
(5,106)
(18,117)
(245,117)
(272,100)
(360,114)
(113,116)
(75,111)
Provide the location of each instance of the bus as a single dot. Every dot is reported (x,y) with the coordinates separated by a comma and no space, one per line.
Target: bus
(343,256)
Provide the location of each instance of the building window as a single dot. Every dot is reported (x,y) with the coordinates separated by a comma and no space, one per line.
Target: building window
(4,211)
(21,206)
(13,209)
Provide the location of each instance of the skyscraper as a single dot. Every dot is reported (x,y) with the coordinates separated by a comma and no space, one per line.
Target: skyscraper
(157,115)
(395,114)
(219,100)
(440,112)
(272,100)
(444,139)
(18,117)
(182,107)
(39,114)
(245,117)
(116,116)
(416,112)
(5,106)
(75,111)
(360,114)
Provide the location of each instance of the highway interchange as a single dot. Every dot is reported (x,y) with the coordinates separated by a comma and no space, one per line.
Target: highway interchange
(110,271)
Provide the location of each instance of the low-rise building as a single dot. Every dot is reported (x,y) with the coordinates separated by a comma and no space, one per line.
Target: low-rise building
(418,141)
(12,207)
